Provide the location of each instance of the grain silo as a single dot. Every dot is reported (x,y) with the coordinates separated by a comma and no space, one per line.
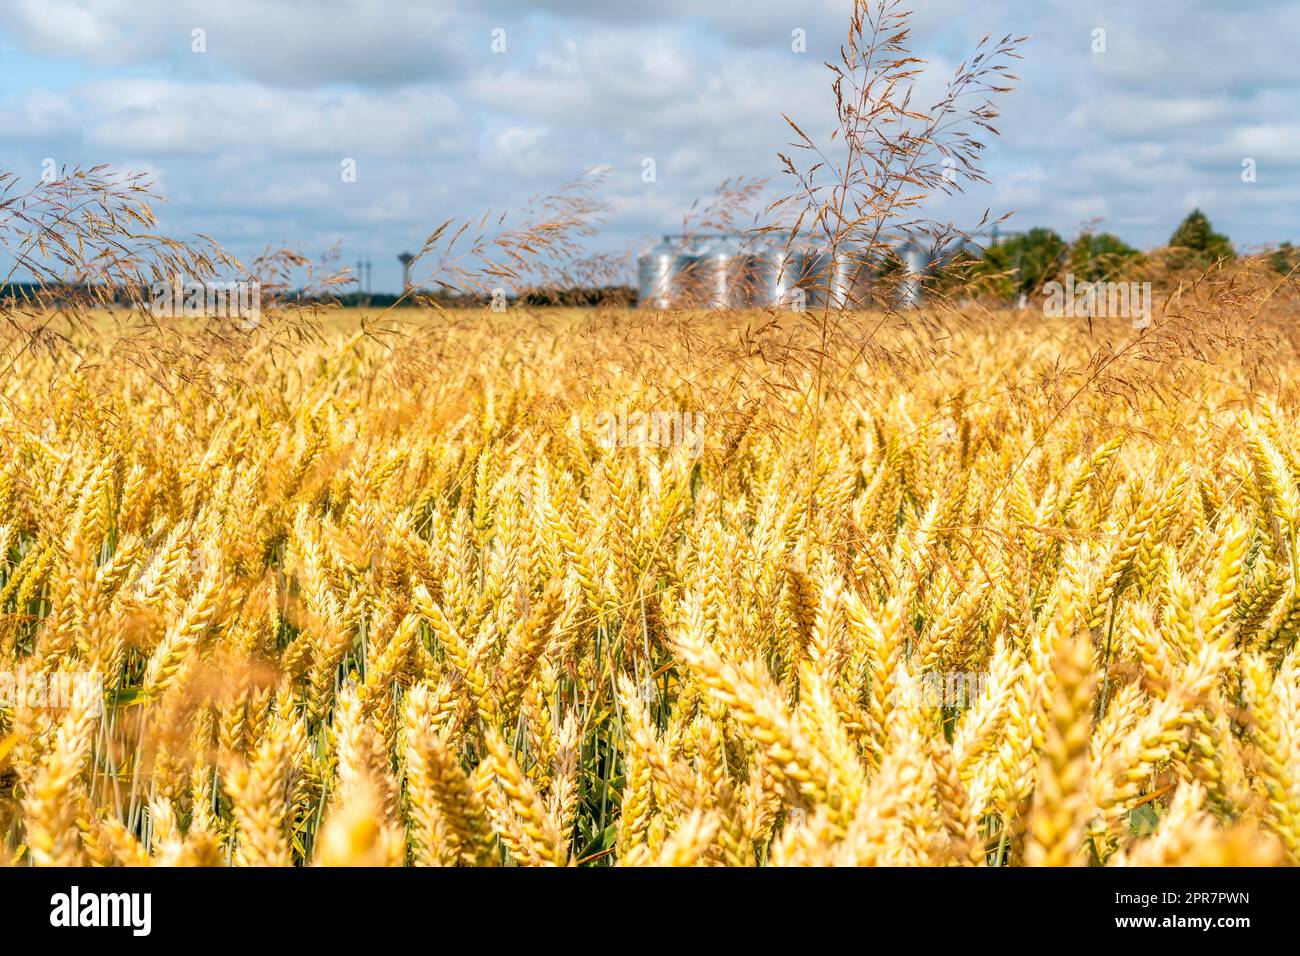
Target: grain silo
(703,272)
(916,261)
(722,270)
(842,283)
(655,275)
(766,276)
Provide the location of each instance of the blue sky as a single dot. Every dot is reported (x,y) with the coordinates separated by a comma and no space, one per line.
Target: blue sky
(247,139)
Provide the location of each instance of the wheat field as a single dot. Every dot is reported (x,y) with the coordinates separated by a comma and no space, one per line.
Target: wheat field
(399,602)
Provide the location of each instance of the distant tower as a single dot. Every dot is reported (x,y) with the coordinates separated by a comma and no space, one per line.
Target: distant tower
(406,259)
(364,287)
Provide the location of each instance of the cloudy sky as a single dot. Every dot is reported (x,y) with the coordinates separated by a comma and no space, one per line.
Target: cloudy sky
(248,139)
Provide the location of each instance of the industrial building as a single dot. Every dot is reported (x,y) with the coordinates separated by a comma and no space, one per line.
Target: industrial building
(720,270)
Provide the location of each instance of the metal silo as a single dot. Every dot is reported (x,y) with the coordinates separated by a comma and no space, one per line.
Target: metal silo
(845,286)
(655,275)
(702,272)
(767,276)
(728,289)
(916,262)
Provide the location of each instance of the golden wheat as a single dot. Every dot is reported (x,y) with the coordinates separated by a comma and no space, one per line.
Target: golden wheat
(374,606)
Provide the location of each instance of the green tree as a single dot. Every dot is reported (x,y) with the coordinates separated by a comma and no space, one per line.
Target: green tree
(1197,245)
(1030,259)
(1100,257)
(1285,258)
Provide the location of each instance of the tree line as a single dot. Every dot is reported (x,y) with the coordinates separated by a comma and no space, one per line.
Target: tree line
(1021,264)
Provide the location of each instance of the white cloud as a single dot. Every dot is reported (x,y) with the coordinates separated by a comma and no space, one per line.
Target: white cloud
(170,118)
(39,114)
(379,42)
(249,136)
